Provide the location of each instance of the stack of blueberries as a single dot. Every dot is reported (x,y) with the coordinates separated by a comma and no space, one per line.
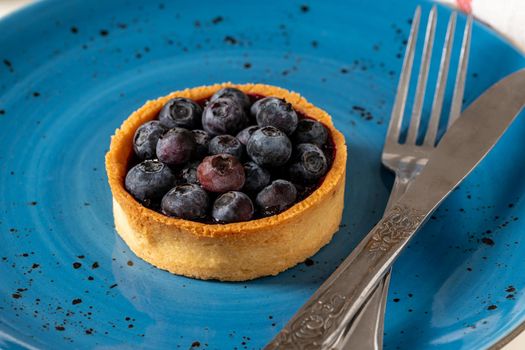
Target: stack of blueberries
(213,164)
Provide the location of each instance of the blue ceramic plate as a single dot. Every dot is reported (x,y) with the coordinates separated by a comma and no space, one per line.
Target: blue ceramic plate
(72,71)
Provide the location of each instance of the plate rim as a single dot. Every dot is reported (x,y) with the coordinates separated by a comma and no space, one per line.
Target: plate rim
(29,8)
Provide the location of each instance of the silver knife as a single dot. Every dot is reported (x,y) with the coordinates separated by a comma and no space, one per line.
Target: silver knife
(328,315)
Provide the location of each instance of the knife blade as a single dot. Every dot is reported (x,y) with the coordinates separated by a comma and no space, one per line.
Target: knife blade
(326,317)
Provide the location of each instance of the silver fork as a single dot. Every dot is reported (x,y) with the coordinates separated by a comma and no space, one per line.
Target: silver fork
(407,159)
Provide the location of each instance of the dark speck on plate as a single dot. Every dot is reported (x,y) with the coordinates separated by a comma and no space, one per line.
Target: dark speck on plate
(487,241)
(363,113)
(9,65)
(104,32)
(510,289)
(305,8)
(76,265)
(217,20)
(230,40)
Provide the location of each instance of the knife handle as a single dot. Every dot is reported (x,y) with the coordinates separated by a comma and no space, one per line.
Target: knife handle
(329,314)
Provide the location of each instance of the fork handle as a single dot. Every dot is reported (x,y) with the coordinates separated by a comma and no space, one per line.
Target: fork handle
(368,331)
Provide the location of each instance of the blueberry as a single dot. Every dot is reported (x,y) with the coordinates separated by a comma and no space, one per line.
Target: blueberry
(202,139)
(180,112)
(232,206)
(245,134)
(221,173)
(223,116)
(187,201)
(309,163)
(310,131)
(176,146)
(269,146)
(232,94)
(188,174)
(226,144)
(256,177)
(278,113)
(149,181)
(254,109)
(146,138)
(276,197)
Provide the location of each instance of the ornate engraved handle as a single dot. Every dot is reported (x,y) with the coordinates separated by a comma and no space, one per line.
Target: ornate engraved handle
(322,321)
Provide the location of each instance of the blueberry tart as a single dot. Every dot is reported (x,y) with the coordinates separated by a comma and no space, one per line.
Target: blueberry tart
(228,182)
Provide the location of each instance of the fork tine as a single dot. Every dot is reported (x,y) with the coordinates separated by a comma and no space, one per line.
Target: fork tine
(422,78)
(437,104)
(402,88)
(459,87)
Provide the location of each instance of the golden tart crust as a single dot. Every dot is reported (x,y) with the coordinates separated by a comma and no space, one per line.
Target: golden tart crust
(228,252)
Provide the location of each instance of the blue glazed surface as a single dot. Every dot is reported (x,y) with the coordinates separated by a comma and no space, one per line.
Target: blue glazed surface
(72,71)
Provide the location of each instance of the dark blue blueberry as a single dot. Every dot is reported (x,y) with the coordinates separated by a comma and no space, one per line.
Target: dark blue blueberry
(188,174)
(149,181)
(269,146)
(309,163)
(256,177)
(202,139)
(232,207)
(146,138)
(232,94)
(176,146)
(278,113)
(310,131)
(276,197)
(254,109)
(245,134)
(221,173)
(187,201)
(223,116)
(180,112)
(226,144)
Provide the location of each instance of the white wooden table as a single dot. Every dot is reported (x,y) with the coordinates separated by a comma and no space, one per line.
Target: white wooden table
(507,17)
